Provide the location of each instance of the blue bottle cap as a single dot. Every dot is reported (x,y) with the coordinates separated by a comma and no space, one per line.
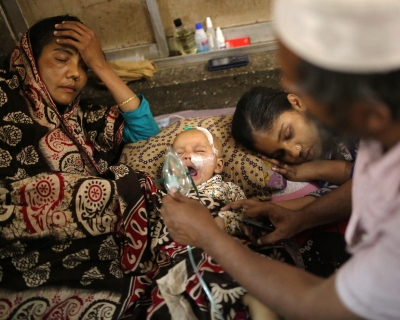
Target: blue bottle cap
(199,26)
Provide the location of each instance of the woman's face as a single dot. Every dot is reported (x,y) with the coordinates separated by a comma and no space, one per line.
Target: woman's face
(63,72)
(293,137)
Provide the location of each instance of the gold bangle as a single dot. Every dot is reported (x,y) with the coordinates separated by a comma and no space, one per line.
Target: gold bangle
(127,100)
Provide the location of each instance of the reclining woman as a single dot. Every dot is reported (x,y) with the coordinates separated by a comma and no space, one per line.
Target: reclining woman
(275,124)
(66,206)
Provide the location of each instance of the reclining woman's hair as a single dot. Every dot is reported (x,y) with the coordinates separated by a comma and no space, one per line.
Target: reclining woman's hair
(257,110)
(41,33)
(339,90)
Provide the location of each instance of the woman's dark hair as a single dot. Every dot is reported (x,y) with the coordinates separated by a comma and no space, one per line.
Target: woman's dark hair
(338,90)
(41,33)
(257,110)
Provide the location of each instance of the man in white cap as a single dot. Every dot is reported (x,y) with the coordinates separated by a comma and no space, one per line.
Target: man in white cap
(342,57)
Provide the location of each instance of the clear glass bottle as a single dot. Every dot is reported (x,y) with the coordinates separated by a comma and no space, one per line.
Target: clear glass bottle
(184,38)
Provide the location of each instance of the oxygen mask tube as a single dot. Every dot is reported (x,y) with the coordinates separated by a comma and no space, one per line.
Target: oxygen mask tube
(176,175)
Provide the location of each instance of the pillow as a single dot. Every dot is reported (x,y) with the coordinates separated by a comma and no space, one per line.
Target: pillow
(242,166)
(294,190)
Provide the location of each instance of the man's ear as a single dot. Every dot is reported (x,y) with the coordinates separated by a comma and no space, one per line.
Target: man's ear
(371,118)
(219,166)
(296,102)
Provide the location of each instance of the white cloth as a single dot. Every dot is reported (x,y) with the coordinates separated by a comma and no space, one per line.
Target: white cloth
(172,287)
(341,35)
(369,283)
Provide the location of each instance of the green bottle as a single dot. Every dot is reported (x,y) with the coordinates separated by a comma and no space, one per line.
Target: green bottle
(184,38)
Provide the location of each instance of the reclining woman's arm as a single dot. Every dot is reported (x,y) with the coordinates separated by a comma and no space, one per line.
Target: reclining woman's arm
(333,171)
(296,204)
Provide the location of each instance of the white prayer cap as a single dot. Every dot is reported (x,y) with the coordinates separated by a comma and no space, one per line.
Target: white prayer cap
(356,36)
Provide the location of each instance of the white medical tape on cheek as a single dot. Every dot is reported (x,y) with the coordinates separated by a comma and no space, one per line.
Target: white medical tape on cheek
(200,162)
(208,160)
(197,161)
(209,138)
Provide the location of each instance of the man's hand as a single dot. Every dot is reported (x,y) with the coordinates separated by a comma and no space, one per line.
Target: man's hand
(287,222)
(188,221)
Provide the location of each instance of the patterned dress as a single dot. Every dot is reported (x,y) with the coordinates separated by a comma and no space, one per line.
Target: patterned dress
(69,214)
(81,236)
(323,249)
(227,192)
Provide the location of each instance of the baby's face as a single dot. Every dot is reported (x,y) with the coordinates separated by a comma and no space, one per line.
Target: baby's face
(197,153)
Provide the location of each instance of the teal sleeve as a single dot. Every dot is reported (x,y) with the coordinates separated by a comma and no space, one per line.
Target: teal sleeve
(139,123)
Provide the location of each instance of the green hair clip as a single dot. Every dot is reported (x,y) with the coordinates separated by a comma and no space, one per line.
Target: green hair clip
(188,128)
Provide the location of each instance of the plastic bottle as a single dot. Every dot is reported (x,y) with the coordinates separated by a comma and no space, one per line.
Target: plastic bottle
(212,41)
(220,39)
(184,38)
(201,39)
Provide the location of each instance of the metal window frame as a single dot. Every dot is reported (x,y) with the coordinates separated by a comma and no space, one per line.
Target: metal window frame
(17,25)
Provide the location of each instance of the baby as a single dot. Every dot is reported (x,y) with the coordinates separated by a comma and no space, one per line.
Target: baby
(201,151)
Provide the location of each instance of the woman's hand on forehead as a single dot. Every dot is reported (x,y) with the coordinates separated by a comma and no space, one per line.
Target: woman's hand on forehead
(79,36)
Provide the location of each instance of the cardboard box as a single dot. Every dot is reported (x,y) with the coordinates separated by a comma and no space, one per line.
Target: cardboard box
(239,42)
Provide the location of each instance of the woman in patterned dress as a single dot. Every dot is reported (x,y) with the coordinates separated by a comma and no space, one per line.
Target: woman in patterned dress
(80,234)
(66,205)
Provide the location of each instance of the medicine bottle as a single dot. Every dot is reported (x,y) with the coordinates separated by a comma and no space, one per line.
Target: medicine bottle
(220,39)
(184,38)
(201,39)
(212,41)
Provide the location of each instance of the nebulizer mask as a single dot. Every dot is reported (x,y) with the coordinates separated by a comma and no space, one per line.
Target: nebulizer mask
(175,173)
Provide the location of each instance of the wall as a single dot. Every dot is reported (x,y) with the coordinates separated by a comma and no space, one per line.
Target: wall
(127,23)
(223,13)
(118,23)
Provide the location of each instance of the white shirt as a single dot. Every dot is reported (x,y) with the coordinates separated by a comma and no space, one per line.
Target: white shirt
(369,283)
